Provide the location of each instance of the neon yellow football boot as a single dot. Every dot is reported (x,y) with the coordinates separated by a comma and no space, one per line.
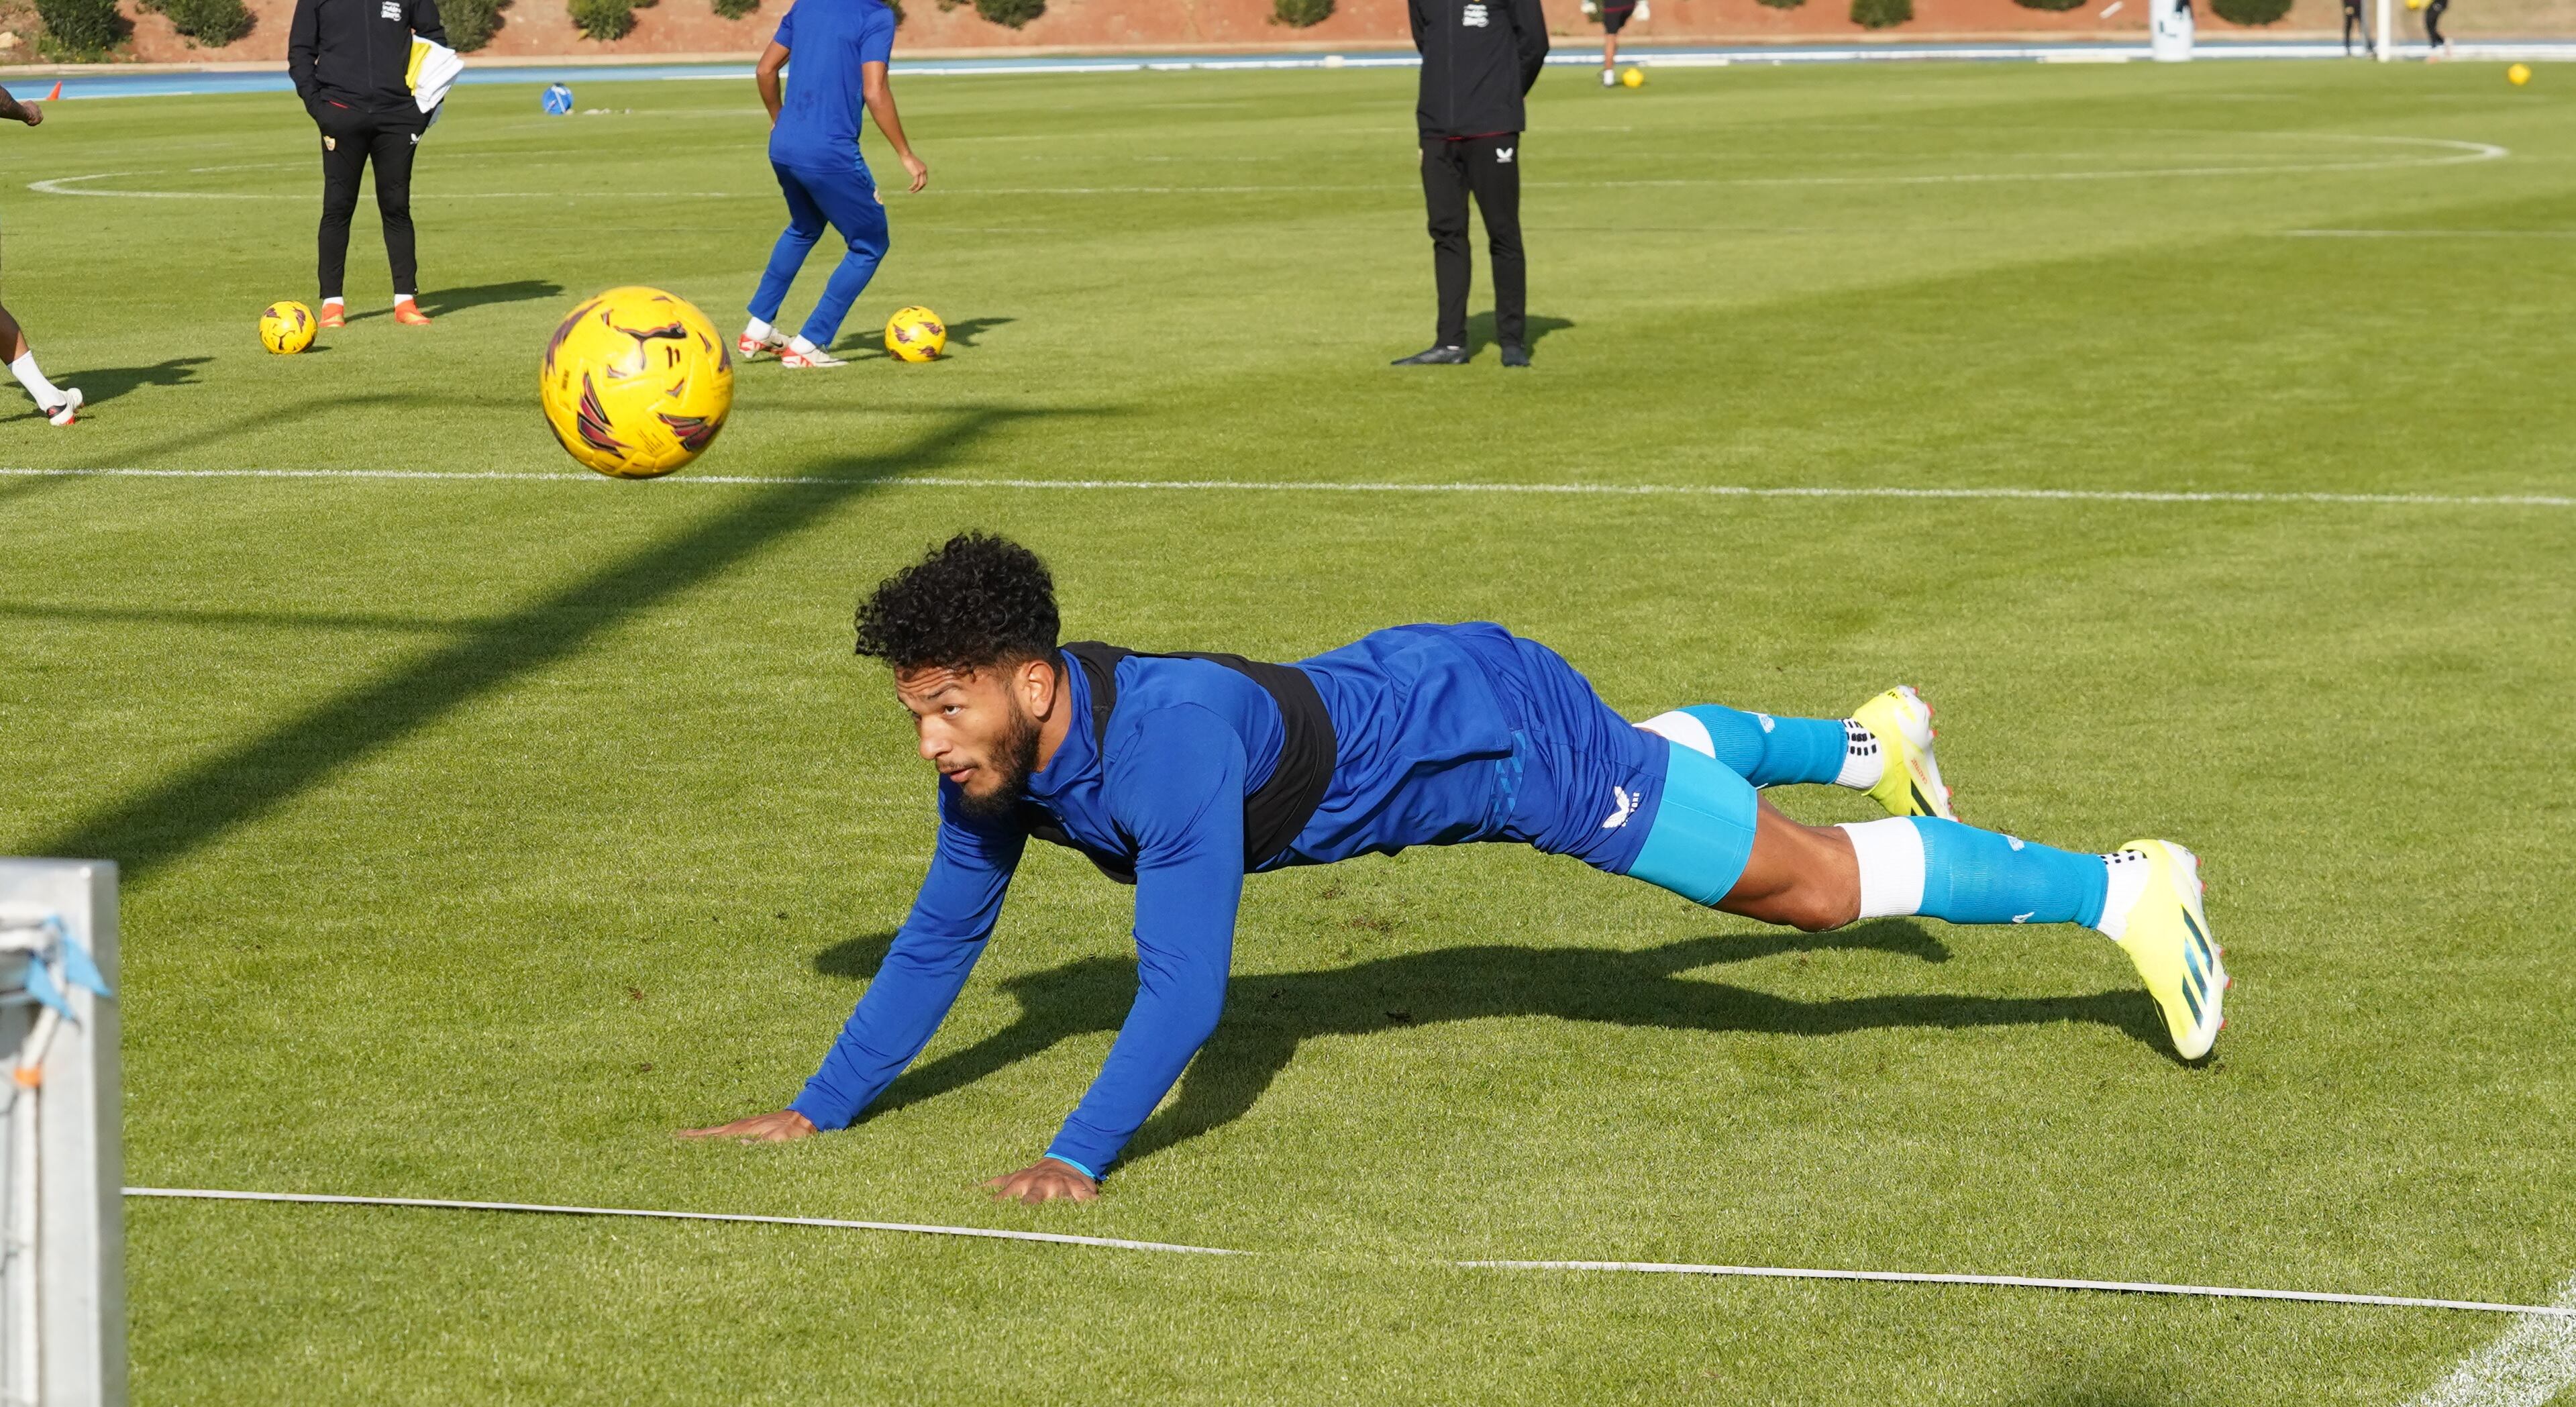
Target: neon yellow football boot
(2167,936)
(1910,784)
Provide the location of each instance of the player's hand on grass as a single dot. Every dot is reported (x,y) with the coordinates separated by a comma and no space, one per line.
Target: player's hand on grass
(1045,1181)
(780,1127)
(920,170)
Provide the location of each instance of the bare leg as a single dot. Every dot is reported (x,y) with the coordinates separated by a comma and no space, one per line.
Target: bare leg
(11,337)
(1800,875)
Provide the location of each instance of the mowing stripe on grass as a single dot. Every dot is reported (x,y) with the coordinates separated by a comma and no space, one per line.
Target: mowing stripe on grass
(934,481)
(2565,1310)
(2528,1366)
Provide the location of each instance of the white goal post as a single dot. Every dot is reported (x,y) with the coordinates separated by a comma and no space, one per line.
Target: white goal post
(62,1221)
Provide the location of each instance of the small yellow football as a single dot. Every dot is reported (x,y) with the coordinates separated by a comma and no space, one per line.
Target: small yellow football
(286,328)
(2518,75)
(915,334)
(1634,77)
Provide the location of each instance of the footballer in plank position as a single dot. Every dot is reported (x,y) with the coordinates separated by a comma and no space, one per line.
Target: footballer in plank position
(1181,774)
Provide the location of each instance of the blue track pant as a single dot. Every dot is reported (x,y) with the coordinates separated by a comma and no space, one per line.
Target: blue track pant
(847,201)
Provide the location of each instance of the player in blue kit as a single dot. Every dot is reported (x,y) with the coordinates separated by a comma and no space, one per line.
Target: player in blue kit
(1181,774)
(840,49)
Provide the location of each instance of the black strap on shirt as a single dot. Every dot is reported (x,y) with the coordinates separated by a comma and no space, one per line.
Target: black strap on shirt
(1275,811)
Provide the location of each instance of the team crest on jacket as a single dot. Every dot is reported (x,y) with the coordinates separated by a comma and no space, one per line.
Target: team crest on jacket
(330,143)
(1473,16)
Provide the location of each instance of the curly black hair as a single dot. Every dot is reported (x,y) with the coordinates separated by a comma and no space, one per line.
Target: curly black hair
(976,600)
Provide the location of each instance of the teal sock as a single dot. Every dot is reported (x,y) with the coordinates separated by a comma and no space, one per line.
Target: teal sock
(1974,876)
(1769,751)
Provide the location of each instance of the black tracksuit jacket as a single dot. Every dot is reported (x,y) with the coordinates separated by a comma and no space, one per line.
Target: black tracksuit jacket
(354,52)
(1478,58)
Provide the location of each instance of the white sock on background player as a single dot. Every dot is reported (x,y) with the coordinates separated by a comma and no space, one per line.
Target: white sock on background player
(46,394)
(757,331)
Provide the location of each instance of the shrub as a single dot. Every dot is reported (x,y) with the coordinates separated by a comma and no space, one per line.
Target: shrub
(1784,4)
(213,23)
(470,23)
(1881,14)
(2250,12)
(1013,13)
(1300,14)
(80,29)
(733,9)
(604,20)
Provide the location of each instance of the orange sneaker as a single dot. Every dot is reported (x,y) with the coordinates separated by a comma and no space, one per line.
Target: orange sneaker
(333,315)
(408,311)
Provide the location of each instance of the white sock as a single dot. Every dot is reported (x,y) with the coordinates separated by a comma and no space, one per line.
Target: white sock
(1864,761)
(24,368)
(2128,881)
(401,298)
(757,330)
(1891,866)
(799,345)
(335,302)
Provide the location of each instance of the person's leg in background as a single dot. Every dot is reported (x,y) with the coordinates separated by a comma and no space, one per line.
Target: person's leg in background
(804,227)
(1614,17)
(2441,47)
(1444,199)
(391,147)
(1494,172)
(344,164)
(849,201)
(61,405)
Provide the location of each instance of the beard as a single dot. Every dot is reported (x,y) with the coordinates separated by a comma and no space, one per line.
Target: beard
(1014,758)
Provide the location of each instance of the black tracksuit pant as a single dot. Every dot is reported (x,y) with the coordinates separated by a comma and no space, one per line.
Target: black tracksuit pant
(351,138)
(1489,168)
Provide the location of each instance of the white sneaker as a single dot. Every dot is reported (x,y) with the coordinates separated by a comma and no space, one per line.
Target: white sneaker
(789,356)
(1645,9)
(1609,77)
(750,347)
(69,410)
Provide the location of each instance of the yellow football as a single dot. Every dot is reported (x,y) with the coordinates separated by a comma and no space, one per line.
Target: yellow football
(915,334)
(636,383)
(2518,75)
(286,328)
(1634,77)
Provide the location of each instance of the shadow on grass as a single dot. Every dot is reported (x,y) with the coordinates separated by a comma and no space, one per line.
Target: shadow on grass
(870,346)
(439,302)
(100,385)
(1268,1016)
(164,822)
(1480,330)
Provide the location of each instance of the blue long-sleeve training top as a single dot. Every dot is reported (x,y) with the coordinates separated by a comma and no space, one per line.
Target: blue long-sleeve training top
(1428,723)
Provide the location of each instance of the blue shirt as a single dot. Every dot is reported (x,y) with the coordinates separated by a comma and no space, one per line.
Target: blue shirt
(818,124)
(1434,730)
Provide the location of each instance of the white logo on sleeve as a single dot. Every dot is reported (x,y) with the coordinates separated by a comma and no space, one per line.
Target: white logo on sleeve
(1503,156)
(1474,16)
(1626,803)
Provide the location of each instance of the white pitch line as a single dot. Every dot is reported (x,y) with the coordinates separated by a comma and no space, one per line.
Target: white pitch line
(2562,1312)
(1321,486)
(2566,1315)
(981,1232)
(2529,1365)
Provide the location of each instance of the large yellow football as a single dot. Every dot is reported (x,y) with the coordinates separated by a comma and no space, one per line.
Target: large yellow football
(286,328)
(915,334)
(636,383)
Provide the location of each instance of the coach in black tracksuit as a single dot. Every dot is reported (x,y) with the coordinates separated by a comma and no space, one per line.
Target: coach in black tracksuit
(348,59)
(1479,57)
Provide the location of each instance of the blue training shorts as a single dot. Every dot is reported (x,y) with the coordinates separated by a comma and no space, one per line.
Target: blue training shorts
(1592,785)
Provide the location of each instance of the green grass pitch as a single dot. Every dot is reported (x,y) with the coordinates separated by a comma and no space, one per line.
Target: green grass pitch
(479,834)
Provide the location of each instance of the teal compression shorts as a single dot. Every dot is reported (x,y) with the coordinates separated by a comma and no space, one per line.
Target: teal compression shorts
(1702,835)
